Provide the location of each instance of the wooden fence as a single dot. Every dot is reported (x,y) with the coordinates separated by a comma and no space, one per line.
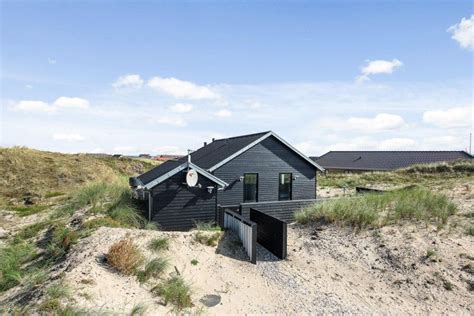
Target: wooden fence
(245,229)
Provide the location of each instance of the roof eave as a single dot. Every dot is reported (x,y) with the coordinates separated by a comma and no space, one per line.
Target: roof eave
(223,162)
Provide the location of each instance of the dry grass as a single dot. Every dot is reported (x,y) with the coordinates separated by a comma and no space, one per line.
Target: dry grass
(124,256)
(379,209)
(208,238)
(45,174)
(439,174)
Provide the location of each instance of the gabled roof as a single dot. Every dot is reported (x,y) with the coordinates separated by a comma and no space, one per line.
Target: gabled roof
(385,160)
(215,154)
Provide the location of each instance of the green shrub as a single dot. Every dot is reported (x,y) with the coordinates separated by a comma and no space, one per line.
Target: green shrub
(194,262)
(58,290)
(175,291)
(207,226)
(208,238)
(128,217)
(102,221)
(159,244)
(470,230)
(138,310)
(31,231)
(61,241)
(12,259)
(379,209)
(154,268)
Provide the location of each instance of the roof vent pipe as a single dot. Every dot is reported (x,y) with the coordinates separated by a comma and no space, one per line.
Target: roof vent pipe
(213,139)
(189,155)
(205,144)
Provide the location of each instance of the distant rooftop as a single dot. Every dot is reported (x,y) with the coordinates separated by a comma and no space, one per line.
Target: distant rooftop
(384,160)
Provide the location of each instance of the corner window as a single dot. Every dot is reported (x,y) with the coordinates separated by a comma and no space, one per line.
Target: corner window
(250,187)
(285,183)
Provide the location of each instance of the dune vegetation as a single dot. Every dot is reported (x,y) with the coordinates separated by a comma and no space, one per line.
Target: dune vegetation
(380,209)
(429,175)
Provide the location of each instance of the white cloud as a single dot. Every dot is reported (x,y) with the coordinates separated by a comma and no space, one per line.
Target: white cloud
(128,81)
(51,61)
(181,89)
(175,121)
(68,137)
(396,144)
(28,86)
(223,113)
(381,121)
(375,67)
(33,106)
(66,102)
(182,108)
(453,117)
(60,103)
(463,32)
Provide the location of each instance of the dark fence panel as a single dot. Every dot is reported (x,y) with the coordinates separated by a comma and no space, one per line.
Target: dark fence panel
(283,210)
(271,232)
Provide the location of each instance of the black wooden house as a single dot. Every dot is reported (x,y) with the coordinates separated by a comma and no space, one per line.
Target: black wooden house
(238,172)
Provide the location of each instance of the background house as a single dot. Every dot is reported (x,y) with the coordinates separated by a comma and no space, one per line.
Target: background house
(352,161)
(258,168)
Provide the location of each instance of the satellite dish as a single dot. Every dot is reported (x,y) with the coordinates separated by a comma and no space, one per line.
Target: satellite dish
(192,177)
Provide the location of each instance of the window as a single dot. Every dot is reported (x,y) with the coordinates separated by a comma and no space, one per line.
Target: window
(284,186)
(250,187)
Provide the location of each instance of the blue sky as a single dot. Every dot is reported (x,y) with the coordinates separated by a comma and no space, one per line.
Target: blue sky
(161,77)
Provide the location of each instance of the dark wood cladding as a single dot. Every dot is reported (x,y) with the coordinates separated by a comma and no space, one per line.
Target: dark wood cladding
(283,210)
(269,158)
(178,207)
(271,232)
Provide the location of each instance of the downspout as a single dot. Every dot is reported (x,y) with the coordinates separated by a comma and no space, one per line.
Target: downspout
(150,204)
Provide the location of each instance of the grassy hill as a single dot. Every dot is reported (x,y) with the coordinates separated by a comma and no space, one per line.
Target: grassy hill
(42,174)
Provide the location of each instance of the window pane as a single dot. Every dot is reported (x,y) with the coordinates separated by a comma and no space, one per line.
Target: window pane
(284,188)
(250,187)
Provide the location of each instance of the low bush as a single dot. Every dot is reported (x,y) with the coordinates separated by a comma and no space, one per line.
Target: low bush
(207,226)
(154,268)
(470,230)
(127,216)
(208,238)
(12,259)
(379,209)
(61,241)
(175,291)
(124,256)
(58,290)
(159,244)
(31,231)
(138,310)
(102,221)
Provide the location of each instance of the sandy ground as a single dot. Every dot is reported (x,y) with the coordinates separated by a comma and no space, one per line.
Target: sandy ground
(329,269)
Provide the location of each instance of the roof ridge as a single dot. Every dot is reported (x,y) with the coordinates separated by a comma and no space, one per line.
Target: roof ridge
(247,135)
(393,151)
